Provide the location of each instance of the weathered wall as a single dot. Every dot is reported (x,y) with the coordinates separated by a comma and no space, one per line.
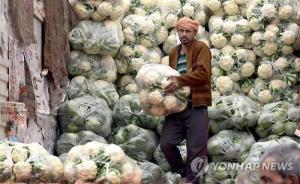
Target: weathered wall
(21,79)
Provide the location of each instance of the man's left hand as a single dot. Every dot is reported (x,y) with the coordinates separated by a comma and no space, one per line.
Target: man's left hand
(173,85)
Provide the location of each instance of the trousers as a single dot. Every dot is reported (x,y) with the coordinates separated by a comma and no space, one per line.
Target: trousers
(191,124)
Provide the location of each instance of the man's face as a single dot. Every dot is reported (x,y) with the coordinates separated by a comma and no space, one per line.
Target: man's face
(269,176)
(186,34)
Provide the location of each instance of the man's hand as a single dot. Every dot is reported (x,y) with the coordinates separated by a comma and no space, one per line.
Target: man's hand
(173,85)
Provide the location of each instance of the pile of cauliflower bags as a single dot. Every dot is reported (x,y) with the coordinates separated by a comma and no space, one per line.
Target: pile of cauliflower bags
(118,71)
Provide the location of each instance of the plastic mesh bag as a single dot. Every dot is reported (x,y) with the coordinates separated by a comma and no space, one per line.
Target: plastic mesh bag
(131,58)
(28,163)
(85,113)
(126,85)
(240,111)
(137,142)
(68,140)
(80,86)
(151,80)
(98,163)
(229,145)
(94,67)
(103,38)
(128,111)
(98,10)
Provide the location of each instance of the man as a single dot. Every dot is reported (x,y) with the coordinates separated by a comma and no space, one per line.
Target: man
(281,165)
(192,59)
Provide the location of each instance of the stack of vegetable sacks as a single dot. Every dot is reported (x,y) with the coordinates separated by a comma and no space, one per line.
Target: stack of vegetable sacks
(28,163)
(254,72)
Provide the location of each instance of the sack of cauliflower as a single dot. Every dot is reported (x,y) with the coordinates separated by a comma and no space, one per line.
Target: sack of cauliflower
(28,163)
(152,80)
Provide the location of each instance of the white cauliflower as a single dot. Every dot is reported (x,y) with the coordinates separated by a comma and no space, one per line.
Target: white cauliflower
(218,40)
(265,71)
(248,44)
(277,84)
(57,168)
(297,64)
(215,23)
(231,8)
(169,43)
(257,38)
(140,11)
(131,88)
(161,35)
(244,26)
(143,96)
(105,8)
(115,153)
(288,37)
(74,153)
(269,36)
(234,76)
(188,10)
(255,24)
(213,5)
(224,84)
(200,16)
(237,39)
(272,27)
(147,26)
(155,97)
(281,63)
(247,69)
(265,96)
(137,63)
(126,51)
(165,60)
(117,13)
(156,18)
(286,50)
(148,3)
(285,12)
(170,21)
(170,102)
(147,41)
(251,56)
(22,171)
(227,49)
(19,154)
(229,26)
(158,110)
(86,170)
(129,35)
(270,48)
(226,63)
(268,11)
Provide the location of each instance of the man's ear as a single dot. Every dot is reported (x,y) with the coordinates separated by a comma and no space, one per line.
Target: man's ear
(293,179)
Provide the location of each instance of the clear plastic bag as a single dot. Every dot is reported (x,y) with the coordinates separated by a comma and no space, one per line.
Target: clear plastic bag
(94,67)
(103,38)
(137,142)
(229,145)
(240,111)
(151,80)
(98,10)
(86,113)
(80,86)
(98,162)
(128,111)
(28,163)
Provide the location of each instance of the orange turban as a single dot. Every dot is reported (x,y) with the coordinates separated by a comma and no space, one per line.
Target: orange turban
(187,22)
